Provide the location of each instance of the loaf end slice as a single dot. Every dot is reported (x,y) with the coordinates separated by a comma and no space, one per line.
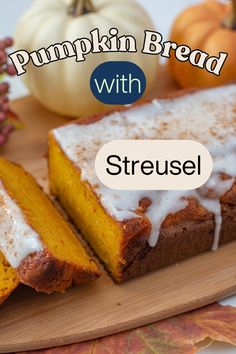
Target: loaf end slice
(35,238)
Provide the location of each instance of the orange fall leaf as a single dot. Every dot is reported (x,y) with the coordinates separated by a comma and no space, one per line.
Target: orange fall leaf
(177,335)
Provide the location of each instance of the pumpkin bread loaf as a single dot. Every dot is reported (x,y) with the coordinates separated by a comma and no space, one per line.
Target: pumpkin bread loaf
(35,239)
(8,279)
(134,232)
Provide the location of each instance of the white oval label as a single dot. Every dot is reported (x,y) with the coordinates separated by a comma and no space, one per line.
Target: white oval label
(153,164)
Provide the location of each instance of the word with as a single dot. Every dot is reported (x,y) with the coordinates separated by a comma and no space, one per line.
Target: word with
(118,82)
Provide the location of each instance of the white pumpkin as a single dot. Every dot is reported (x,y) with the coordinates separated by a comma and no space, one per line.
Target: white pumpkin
(64,86)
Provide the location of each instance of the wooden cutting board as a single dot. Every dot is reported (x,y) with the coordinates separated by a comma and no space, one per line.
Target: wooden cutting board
(31,321)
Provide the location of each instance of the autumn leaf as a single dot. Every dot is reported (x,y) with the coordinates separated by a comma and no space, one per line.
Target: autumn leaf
(178,335)
(218,322)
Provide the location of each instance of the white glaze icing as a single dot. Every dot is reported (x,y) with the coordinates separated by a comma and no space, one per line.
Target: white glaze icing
(207,116)
(17,239)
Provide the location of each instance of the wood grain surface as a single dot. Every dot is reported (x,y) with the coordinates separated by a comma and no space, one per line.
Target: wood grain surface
(29,320)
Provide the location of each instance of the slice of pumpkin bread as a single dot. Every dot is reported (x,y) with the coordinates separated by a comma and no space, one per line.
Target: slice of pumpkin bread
(34,237)
(8,279)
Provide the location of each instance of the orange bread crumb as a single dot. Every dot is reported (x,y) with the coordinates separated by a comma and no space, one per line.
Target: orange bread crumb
(8,279)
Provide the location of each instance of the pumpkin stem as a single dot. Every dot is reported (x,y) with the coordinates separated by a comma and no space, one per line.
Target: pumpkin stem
(230,20)
(80,7)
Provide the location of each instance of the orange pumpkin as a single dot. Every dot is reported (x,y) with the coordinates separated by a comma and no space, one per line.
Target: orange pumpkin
(211,27)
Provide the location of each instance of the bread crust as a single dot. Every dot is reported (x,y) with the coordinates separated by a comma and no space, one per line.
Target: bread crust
(178,241)
(44,272)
